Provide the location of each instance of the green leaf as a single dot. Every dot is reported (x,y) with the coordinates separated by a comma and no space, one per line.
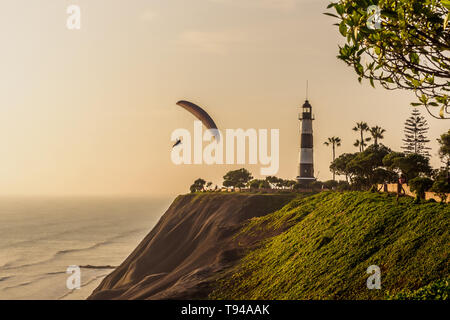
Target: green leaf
(415,83)
(359,69)
(424,99)
(339,8)
(378,51)
(442,100)
(343,28)
(330,14)
(414,58)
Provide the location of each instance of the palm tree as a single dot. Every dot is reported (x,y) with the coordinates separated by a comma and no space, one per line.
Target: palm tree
(334,142)
(377,134)
(361,127)
(358,144)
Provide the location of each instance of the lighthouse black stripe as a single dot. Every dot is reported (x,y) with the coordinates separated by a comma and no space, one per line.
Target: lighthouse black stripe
(306,170)
(307,140)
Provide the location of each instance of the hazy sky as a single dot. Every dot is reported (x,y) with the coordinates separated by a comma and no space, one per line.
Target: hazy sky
(91,111)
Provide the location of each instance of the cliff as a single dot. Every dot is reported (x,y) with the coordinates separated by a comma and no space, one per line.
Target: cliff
(285,246)
(191,244)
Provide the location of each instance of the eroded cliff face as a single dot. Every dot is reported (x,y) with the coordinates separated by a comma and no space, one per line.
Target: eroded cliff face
(194,241)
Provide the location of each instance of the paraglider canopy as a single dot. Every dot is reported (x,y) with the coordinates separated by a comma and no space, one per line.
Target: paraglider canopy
(201,115)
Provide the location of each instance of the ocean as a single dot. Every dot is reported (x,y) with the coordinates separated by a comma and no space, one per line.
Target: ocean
(41,237)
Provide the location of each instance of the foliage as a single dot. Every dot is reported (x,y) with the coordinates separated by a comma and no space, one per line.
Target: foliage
(254,184)
(343,186)
(361,143)
(416,128)
(408,50)
(316,185)
(279,183)
(199,185)
(289,184)
(340,165)
(237,178)
(377,134)
(331,184)
(437,290)
(274,182)
(303,185)
(420,185)
(441,185)
(378,164)
(444,149)
(322,246)
(334,142)
(366,167)
(259,184)
(410,166)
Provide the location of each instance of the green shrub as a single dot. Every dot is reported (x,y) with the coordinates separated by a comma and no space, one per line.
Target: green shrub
(420,185)
(438,290)
(441,185)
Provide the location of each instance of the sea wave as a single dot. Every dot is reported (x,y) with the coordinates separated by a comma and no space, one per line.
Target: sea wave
(58,254)
(5,278)
(22,284)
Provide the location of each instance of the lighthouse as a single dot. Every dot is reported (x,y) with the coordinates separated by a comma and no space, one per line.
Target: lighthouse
(306,167)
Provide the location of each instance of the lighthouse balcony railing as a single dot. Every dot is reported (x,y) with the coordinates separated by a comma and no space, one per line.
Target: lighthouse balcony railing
(306,116)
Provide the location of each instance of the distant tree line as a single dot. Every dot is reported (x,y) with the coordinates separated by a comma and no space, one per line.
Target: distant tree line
(378,164)
(242,178)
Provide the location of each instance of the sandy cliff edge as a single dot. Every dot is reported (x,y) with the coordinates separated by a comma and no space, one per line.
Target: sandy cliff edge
(192,243)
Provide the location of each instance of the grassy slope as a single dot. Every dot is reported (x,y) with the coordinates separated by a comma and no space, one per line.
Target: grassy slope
(327,241)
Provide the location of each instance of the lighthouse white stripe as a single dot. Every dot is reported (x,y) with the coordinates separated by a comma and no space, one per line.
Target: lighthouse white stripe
(306,156)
